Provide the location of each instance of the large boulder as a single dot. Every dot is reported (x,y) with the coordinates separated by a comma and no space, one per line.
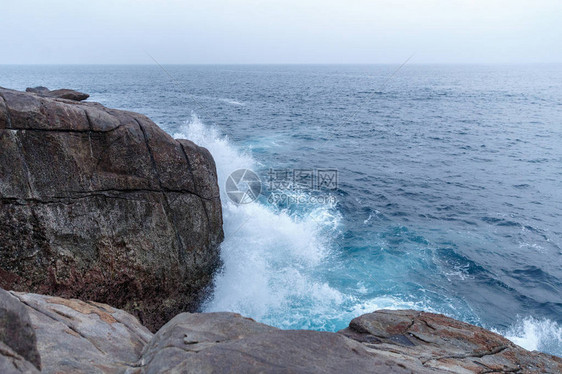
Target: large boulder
(17,335)
(403,341)
(445,344)
(101,204)
(230,343)
(74,336)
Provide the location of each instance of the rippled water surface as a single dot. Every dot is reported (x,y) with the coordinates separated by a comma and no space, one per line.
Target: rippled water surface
(449,190)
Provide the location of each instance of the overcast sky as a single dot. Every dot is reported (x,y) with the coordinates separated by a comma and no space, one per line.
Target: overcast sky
(288,31)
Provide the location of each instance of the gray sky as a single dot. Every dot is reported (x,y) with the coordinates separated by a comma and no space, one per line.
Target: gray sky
(288,31)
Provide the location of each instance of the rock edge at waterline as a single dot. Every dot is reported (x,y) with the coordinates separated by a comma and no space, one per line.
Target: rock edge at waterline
(74,336)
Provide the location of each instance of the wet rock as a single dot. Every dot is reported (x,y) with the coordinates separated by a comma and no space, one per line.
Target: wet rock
(101,204)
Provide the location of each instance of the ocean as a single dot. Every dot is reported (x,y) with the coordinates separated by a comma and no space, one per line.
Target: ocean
(430,187)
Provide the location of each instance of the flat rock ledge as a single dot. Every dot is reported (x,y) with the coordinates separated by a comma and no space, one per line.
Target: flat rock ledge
(73,336)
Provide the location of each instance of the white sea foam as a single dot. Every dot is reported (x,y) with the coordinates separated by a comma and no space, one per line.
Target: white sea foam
(232,102)
(269,255)
(536,335)
(271,261)
(386,302)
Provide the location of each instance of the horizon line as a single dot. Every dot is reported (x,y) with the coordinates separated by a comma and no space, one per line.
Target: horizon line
(278,63)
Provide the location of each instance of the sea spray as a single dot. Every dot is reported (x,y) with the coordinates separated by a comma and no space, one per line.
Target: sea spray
(535,335)
(273,261)
(464,207)
(270,256)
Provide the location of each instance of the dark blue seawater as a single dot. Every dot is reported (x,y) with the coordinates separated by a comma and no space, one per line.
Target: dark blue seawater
(449,194)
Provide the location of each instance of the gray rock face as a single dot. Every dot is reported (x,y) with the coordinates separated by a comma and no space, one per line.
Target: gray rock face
(191,333)
(16,334)
(61,94)
(230,343)
(101,204)
(444,344)
(84,337)
(280,352)
(40,90)
(382,342)
(12,363)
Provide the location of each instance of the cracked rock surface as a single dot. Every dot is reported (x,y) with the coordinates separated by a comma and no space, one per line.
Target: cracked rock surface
(13,363)
(443,344)
(101,204)
(230,343)
(74,336)
(401,341)
(85,337)
(18,342)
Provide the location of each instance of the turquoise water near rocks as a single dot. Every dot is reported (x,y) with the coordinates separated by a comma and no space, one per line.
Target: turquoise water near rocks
(449,193)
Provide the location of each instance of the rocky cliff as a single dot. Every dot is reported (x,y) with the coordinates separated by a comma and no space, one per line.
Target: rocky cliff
(101,204)
(73,336)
